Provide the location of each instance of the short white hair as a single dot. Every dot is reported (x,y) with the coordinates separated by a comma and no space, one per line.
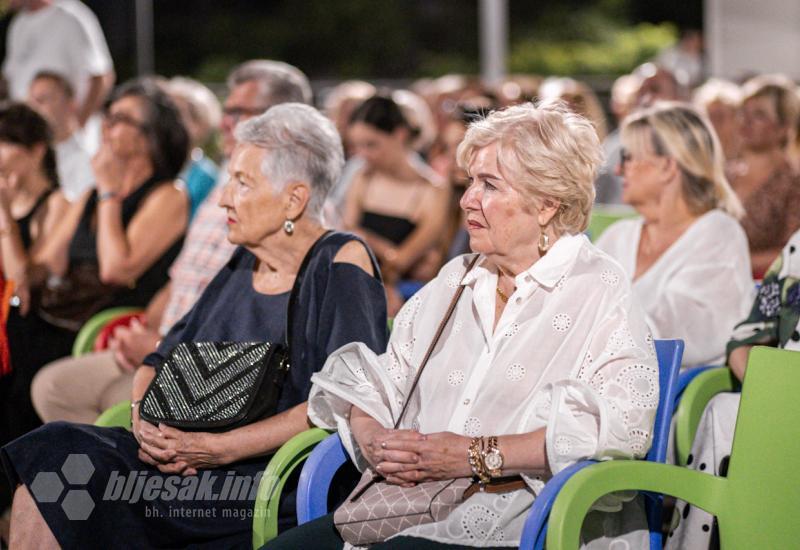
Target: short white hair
(204,105)
(278,82)
(548,151)
(302,144)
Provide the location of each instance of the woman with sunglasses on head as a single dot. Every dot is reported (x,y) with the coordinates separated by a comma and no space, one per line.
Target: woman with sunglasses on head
(112,247)
(687,253)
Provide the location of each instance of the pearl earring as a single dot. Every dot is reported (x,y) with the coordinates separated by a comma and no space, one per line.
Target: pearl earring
(288,227)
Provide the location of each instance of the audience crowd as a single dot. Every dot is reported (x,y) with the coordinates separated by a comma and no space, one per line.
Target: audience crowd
(198,211)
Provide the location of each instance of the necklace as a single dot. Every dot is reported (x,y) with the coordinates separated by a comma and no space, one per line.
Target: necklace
(502,295)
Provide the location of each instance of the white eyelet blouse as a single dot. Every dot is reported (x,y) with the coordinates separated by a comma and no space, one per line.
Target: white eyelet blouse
(571,353)
(698,289)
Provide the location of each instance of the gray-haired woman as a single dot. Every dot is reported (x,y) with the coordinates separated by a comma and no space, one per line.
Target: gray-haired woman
(280,173)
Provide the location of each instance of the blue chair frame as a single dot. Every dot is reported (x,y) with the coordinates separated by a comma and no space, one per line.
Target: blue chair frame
(330,455)
(670,354)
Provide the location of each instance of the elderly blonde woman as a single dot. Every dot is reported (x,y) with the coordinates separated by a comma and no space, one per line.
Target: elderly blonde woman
(686,254)
(279,174)
(538,362)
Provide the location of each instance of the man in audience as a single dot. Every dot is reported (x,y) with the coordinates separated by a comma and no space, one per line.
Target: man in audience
(52,95)
(77,389)
(62,36)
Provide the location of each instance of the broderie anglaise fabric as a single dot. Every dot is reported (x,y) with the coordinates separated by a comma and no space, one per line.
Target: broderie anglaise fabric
(571,354)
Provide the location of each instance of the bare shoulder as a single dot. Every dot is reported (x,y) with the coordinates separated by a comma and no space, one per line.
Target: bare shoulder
(172,194)
(355,253)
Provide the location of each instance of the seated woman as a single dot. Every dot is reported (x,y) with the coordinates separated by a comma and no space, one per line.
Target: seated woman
(112,247)
(547,349)
(774,320)
(762,176)
(30,206)
(396,201)
(30,200)
(284,165)
(687,254)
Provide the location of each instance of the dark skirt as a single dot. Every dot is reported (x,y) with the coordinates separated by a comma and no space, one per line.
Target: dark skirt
(33,343)
(94,492)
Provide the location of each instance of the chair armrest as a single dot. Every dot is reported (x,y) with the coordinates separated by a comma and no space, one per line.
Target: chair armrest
(696,396)
(584,488)
(116,416)
(289,456)
(84,341)
(316,477)
(685,377)
(535,530)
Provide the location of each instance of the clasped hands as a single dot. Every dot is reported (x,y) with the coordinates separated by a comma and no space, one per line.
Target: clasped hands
(407,457)
(173,451)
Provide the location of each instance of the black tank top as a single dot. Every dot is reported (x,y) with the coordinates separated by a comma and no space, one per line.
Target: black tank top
(83,247)
(394,228)
(24,223)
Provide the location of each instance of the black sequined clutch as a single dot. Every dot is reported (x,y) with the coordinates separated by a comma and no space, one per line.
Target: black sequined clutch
(216,386)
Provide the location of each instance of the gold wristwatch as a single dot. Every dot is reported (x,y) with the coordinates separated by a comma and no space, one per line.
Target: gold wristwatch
(493,458)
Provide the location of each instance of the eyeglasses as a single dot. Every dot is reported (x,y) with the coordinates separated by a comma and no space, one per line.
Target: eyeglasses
(624,156)
(112,119)
(238,113)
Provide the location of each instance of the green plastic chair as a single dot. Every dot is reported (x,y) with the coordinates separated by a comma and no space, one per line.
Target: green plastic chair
(603,216)
(116,416)
(291,455)
(84,341)
(692,404)
(756,504)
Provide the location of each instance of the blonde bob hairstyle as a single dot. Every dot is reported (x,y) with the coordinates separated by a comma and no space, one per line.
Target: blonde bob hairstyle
(544,151)
(678,131)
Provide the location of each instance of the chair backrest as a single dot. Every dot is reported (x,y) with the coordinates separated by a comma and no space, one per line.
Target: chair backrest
(670,354)
(764,479)
(605,216)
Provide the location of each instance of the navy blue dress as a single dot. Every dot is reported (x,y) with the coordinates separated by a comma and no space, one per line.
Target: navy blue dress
(132,505)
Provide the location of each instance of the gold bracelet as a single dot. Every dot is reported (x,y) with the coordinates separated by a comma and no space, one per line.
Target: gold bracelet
(475,458)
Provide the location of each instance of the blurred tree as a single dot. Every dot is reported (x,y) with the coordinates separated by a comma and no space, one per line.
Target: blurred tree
(389,38)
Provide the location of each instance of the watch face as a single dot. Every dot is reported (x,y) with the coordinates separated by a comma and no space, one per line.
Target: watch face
(494,460)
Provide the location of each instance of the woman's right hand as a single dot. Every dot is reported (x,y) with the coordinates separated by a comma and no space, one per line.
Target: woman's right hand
(371,438)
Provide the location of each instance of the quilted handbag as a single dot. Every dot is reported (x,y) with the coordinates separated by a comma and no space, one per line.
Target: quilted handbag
(384,510)
(218,386)
(376,510)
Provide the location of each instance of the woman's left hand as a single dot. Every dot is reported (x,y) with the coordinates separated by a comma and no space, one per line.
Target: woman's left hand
(182,452)
(441,455)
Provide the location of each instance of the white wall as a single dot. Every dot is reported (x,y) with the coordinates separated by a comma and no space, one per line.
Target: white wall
(745,36)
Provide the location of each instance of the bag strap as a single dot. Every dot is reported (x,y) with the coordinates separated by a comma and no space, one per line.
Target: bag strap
(298,281)
(435,340)
(377,477)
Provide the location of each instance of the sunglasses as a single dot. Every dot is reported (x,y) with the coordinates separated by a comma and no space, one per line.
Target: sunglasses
(624,157)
